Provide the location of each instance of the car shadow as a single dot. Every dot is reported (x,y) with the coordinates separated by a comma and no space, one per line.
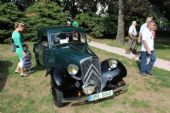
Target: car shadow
(38,68)
(4,72)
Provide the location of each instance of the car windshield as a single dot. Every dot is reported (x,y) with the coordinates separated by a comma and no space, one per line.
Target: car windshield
(67,37)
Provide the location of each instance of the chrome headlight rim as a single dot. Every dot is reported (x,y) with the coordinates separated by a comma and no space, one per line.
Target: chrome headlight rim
(112,64)
(88,89)
(72,69)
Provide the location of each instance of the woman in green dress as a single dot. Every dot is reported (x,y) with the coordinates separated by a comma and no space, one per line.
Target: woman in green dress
(17,38)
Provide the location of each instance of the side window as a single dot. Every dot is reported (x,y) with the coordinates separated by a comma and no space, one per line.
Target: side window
(44,40)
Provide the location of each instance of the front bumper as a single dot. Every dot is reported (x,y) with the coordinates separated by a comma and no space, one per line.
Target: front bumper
(116,91)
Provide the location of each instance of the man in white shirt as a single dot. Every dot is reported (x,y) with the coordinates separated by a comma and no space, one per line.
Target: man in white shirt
(144,26)
(132,34)
(147,49)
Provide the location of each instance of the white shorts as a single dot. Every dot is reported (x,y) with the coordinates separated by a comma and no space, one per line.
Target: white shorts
(21,62)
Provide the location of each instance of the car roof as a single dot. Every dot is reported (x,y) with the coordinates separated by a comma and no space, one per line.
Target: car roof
(54,29)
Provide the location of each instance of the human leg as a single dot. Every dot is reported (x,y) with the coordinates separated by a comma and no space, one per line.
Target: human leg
(143,62)
(21,65)
(152,57)
(17,70)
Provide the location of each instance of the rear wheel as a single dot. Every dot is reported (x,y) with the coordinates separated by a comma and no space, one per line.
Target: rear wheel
(37,59)
(35,50)
(57,95)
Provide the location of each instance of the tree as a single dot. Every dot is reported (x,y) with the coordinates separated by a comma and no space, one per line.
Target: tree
(120,29)
(9,14)
(42,15)
(21,4)
(164,6)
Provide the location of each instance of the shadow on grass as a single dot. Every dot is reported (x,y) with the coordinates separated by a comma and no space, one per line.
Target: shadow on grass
(4,72)
(138,64)
(38,68)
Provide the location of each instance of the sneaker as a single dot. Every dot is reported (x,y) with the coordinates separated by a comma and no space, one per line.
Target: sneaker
(143,74)
(24,75)
(30,71)
(149,73)
(17,71)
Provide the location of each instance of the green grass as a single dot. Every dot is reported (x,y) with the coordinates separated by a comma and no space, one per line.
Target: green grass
(139,103)
(33,95)
(162,46)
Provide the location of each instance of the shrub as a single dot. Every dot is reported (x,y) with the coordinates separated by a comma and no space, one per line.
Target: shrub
(41,15)
(9,14)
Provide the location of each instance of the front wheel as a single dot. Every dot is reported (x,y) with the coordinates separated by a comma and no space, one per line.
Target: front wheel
(57,96)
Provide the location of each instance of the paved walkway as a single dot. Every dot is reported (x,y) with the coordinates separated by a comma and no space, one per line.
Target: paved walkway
(160,63)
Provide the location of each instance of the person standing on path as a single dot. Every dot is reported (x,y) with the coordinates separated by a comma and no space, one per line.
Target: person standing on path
(132,35)
(147,49)
(17,38)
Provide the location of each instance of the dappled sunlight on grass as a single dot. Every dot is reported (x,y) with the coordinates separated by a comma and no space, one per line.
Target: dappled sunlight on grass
(33,94)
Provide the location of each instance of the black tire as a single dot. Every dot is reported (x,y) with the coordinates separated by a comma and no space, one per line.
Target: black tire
(57,95)
(35,50)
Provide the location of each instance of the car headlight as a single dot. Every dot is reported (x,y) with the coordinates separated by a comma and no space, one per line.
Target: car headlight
(72,69)
(88,89)
(112,64)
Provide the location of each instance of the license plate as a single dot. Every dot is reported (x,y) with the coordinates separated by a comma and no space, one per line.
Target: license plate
(100,95)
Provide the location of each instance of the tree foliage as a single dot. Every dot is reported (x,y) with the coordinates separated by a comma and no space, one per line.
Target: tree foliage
(37,15)
(9,14)
(98,26)
(43,14)
(54,12)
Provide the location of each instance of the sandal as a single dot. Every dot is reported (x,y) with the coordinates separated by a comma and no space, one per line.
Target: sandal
(17,72)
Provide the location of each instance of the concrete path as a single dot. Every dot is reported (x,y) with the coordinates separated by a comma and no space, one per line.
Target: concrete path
(160,63)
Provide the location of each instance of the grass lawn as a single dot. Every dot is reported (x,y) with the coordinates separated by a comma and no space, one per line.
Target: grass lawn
(162,46)
(33,95)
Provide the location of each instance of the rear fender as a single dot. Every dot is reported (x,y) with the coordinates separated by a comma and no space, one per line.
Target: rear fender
(35,48)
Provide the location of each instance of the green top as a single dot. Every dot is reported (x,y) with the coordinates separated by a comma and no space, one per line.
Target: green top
(17,38)
(75,24)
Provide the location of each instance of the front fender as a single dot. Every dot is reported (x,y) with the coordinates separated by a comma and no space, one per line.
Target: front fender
(57,77)
(114,74)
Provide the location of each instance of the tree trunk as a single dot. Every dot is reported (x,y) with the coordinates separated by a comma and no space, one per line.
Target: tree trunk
(120,37)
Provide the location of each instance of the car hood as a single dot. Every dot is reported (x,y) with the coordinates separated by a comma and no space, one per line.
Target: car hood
(73,55)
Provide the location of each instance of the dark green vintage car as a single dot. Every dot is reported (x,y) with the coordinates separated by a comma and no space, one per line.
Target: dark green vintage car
(76,72)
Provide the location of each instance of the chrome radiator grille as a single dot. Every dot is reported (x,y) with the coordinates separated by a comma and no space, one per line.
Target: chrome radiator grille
(91,72)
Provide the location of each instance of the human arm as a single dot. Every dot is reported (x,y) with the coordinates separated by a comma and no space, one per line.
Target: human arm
(154,34)
(147,47)
(130,36)
(144,36)
(139,38)
(130,32)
